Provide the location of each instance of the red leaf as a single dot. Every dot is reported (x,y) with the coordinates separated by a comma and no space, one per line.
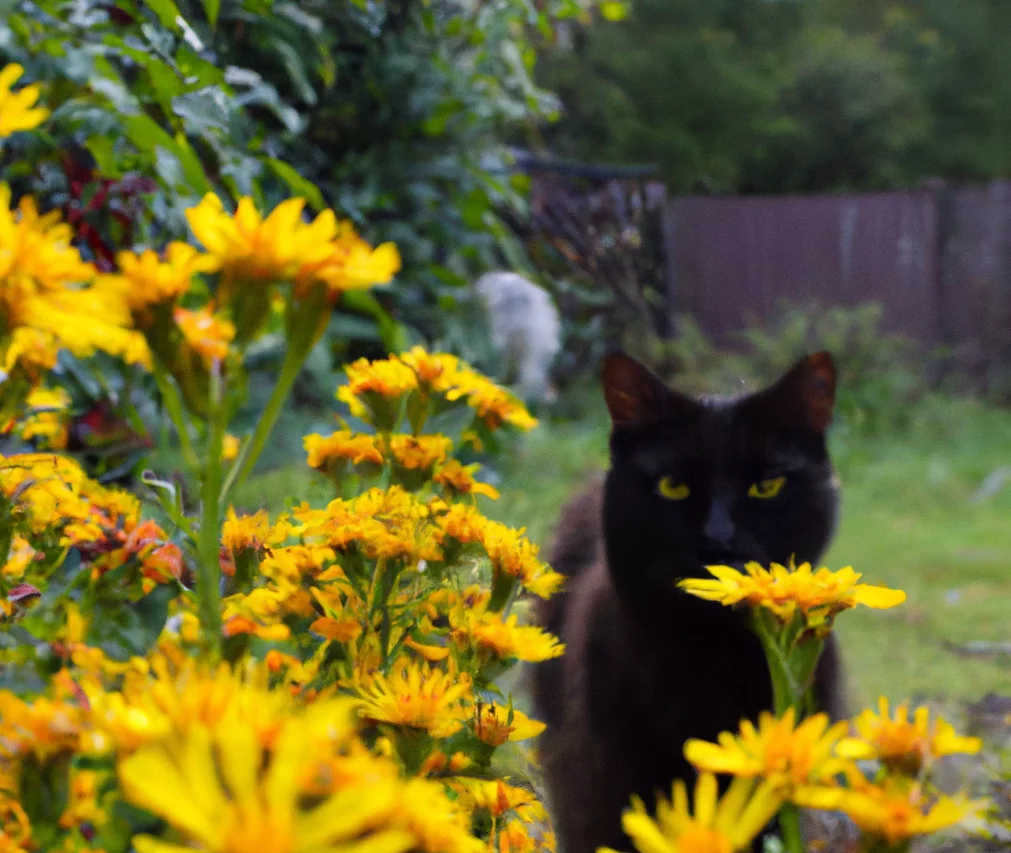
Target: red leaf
(23,592)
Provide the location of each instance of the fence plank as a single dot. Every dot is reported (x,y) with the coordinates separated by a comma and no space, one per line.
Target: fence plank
(738,258)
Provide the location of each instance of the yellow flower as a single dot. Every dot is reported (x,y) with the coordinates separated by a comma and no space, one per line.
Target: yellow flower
(892,812)
(43,727)
(224,795)
(83,804)
(15,828)
(438,374)
(514,837)
(230,448)
(238,624)
(495,724)
(17,109)
(447,375)
(493,404)
(171,699)
(21,556)
(509,550)
(902,744)
(717,826)
(250,248)
(388,378)
(459,478)
(245,532)
(818,595)
(33,350)
(342,445)
(435,371)
(44,491)
(417,696)
(388,524)
(206,334)
(503,638)
(497,798)
(351,263)
(49,422)
(420,452)
(42,280)
(438,823)
(787,757)
(145,280)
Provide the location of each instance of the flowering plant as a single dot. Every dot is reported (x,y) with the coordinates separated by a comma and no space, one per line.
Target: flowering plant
(319,681)
(795,758)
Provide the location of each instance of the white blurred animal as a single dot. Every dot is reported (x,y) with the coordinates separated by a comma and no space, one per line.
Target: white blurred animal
(526,332)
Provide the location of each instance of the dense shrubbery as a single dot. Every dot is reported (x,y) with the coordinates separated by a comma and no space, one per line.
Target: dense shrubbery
(221,682)
(879,373)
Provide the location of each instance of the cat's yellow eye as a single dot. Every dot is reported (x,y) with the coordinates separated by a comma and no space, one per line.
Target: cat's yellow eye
(672,491)
(767,488)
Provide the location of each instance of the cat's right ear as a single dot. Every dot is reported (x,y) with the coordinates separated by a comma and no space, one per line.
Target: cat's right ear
(635,395)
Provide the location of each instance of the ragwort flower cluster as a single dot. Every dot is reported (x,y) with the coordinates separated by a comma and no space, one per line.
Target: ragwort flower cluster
(355,707)
(878,774)
(180,678)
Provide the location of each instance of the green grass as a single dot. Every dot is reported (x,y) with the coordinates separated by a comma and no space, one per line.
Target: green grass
(909,520)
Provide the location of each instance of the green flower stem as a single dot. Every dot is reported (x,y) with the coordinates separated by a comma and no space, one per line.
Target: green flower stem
(789,826)
(791,665)
(174,406)
(6,541)
(252,449)
(307,319)
(209,566)
(786,693)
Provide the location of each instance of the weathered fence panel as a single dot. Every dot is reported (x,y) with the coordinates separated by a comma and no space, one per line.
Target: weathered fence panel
(738,258)
(975,307)
(937,259)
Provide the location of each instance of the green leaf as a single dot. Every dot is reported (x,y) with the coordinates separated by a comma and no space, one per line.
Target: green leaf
(203,110)
(298,185)
(144,132)
(212,7)
(123,630)
(61,580)
(166,10)
(103,149)
(44,791)
(295,66)
(392,333)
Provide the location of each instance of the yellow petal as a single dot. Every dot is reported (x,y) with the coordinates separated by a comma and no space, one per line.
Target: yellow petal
(645,834)
(878,597)
(706,792)
(152,781)
(149,844)
(346,814)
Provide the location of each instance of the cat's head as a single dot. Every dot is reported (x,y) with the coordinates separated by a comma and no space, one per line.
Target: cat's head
(716,480)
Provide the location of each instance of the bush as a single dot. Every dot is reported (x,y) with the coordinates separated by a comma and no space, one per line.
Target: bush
(879,374)
(174,675)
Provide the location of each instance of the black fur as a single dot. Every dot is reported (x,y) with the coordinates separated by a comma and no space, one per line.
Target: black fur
(648,666)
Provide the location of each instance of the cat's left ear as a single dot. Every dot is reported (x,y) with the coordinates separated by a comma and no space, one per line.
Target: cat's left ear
(636,396)
(805,397)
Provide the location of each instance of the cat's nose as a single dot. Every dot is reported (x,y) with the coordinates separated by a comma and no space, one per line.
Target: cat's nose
(719,526)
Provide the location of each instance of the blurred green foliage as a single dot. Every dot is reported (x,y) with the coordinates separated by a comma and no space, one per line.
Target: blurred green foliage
(394,113)
(879,374)
(758,96)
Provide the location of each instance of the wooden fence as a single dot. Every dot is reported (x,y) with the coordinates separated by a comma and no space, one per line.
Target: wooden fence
(937,259)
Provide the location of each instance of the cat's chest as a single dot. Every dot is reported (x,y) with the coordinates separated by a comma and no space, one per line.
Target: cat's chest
(675,674)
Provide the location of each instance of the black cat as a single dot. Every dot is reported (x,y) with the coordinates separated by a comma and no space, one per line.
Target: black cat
(692,483)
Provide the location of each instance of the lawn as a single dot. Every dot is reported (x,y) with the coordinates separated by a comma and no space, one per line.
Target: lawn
(915,516)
